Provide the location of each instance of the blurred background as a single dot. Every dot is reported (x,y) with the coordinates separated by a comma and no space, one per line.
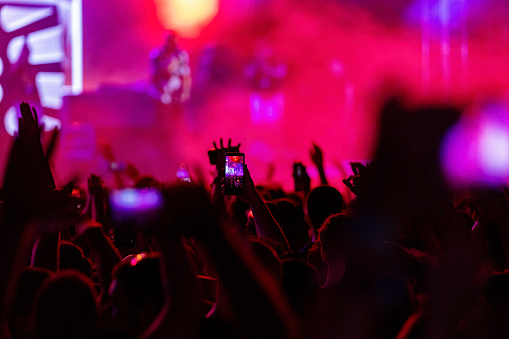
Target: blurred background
(275,75)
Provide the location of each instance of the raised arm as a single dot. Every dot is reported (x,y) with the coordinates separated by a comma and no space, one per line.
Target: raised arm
(217,196)
(31,206)
(317,157)
(255,307)
(266,225)
(182,312)
(102,251)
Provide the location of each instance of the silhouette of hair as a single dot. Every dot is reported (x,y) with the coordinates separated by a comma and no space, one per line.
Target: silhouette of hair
(20,313)
(141,277)
(301,286)
(334,235)
(322,202)
(267,257)
(291,218)
(71,257)
(65,307)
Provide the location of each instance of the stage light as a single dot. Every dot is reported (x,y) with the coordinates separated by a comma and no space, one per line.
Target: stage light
(46,46)
(41,39)
(476,150)
(11,121)
(14,48)
(494,150)
(50,88)
(15,17)
(186,17)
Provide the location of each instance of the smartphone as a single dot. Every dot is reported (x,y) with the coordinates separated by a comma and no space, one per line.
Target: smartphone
(183,173)
(234,173)
(132,210)
(298,170)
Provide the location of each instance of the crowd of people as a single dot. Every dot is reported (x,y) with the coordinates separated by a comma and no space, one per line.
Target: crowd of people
(407,258)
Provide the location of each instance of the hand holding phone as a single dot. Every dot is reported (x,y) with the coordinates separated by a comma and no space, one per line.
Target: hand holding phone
(301,178)
(298,170)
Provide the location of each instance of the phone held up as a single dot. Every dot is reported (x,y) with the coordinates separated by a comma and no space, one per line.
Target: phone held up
(298,169)
(234,173)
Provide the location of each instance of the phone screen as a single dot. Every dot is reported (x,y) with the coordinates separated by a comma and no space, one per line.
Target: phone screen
(298,168)
(234,173)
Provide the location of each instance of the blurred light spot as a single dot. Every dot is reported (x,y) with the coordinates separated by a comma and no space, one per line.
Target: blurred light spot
(11,121)
(49,85)
(15,17)
(267,107)
(137,200)
(186,17)
(476,150)
(337,68)
(50,123)
(137,258)
(14,48)
(494,150)
(46,46)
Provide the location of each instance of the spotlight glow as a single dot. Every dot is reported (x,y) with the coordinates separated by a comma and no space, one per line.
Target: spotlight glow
(186,17)
(494,150)
(476,150)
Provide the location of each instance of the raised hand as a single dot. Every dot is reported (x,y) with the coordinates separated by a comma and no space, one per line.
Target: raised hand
(95,187)
(302,182)
(96,199)
(266,225)
(221,153)
(28,128)
(358,181)
(317,157)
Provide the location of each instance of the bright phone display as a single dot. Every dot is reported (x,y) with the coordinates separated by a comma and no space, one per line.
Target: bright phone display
(234,173)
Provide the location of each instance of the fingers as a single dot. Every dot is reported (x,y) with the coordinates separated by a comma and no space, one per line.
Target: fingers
(223,183)
(355,167)
(348,184)
(25,111)
(36,118)
(229,146)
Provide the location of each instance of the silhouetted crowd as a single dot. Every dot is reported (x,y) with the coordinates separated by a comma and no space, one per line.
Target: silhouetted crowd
(406,257)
